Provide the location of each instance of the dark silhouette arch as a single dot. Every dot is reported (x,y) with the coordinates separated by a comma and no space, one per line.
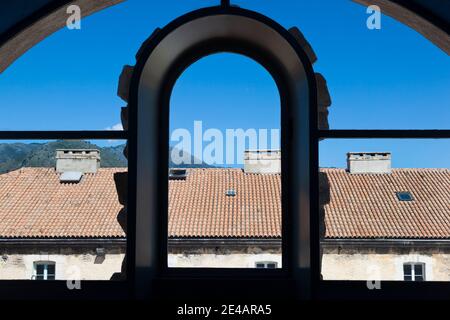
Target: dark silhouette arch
(160,62)
(33,21)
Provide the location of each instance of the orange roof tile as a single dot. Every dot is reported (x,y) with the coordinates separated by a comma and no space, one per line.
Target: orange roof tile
(199,206)
(366,206)
(34,204)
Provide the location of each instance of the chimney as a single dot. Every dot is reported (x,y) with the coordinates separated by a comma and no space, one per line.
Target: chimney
(77,160)
(262,161)
(369,162)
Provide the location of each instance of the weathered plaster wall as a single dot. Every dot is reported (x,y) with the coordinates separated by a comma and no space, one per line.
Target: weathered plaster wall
(71,262)
(19,266)
(354,264)
(87,266)
(385,264)
(234,260)
(223,257)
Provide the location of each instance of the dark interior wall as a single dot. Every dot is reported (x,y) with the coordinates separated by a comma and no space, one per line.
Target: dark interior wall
(14,11)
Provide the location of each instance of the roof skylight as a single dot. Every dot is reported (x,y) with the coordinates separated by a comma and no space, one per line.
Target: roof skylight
(70,177)
(404,196)
(230,193)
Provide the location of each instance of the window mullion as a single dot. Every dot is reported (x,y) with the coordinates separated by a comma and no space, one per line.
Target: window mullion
(45,271)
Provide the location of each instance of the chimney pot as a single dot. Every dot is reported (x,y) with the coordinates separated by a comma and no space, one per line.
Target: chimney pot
(369,162)
(262,161)
(77,160)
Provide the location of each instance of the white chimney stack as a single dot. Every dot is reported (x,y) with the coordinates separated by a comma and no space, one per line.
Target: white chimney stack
(262,161)
(369,162)
(77,160)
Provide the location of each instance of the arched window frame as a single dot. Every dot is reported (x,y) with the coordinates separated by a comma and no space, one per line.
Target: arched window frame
(329,289)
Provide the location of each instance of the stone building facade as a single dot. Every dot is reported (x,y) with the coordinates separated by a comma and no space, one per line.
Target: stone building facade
(384,223)
(77,261)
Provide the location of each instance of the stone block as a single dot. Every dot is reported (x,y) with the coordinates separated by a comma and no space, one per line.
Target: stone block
(123,90)
(323,95)
(298,35)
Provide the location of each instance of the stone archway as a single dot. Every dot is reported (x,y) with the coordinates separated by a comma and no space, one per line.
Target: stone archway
(36,32)
(48,23)
(286,55)
(432,30)
(124,89)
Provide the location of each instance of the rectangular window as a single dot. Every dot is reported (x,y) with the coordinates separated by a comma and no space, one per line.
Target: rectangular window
(404,196)
(266,265)
(414,271)
(44,270)
(407,272)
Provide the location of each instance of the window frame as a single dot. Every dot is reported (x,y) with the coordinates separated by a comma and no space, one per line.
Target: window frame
(45,275)
(356,289)
(266,264)
(319,289)
(413,274)
(400,195)
(57,289)
(298,93)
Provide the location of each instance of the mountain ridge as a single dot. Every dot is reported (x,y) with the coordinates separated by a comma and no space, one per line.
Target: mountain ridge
(17,155)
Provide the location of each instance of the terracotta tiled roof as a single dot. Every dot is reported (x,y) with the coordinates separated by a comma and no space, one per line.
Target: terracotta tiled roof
(199,206)
(33,203)
(366,206)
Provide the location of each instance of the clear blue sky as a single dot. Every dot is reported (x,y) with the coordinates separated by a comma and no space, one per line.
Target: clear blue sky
(391,78)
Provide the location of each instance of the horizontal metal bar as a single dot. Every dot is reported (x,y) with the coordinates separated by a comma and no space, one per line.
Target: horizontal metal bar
(384,134)
(58,135)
